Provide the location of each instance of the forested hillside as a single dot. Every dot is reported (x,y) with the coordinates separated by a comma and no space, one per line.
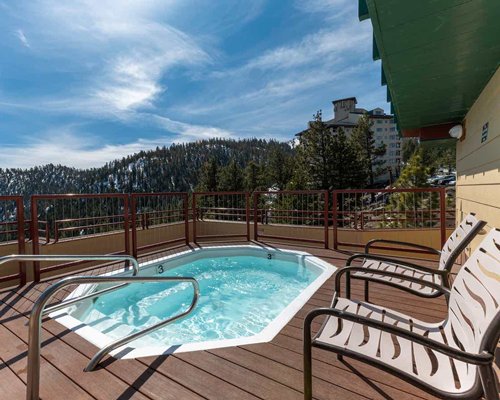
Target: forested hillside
(174,168)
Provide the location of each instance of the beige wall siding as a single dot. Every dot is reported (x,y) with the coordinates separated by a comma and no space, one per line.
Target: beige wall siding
(478,164)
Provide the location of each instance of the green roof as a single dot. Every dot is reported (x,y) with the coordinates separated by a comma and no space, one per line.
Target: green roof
(437,56)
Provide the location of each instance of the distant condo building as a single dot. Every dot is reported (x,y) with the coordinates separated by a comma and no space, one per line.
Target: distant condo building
(346,116)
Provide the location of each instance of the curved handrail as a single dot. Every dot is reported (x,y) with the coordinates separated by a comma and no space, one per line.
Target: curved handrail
(127,339)
(35,322)
(38,311)
(81,257)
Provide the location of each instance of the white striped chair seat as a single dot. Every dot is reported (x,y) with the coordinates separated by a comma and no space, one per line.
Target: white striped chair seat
(400,269)
(413,359)
(455,244)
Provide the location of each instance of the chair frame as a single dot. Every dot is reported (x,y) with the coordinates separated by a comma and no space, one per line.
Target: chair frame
(486,384)
(442,273)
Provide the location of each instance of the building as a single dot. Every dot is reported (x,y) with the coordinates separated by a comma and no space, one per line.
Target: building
(440,62)
(346,116)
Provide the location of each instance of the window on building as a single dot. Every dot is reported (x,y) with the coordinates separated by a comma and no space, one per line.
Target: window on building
(393,129)
(380,129)
(379,121)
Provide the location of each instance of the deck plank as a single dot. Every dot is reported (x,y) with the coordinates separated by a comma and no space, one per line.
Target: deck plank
(259,371)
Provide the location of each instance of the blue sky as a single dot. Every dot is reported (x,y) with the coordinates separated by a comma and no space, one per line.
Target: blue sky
(83,82)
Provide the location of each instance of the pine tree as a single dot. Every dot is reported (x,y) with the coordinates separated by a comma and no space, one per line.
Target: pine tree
(316,154)
(414,175)
(253,177)
(230,177)
(409,148)
(208,181)
(348,167)
(279,169)
(362,135)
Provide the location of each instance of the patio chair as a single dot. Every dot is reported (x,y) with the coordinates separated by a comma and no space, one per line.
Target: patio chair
(452,359)
(456,243)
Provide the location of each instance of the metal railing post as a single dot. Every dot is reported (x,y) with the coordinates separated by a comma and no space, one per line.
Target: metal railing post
(186,217)
(194,217)
(255,216)
(21,239)
(247,213)
(133,217)
(442,214)
(126,219)
(34,237)
(335,221)
(326,219)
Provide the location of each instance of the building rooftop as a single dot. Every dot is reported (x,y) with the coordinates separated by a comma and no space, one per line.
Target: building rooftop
(437,56)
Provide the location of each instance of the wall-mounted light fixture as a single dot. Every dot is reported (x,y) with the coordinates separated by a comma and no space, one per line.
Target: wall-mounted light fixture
(456,132)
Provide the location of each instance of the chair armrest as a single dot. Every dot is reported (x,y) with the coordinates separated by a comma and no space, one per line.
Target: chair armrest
(392,261)
(472,358)
(407,244)
(348,269)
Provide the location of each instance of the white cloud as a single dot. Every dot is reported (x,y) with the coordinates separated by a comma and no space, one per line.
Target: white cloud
(189,132)
(294,70)
(318,48)
(22,37)
(329,9)
(121,49)
(71,149)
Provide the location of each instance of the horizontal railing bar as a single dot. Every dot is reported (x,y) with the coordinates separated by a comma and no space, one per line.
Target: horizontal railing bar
(153,245)
(259,192)
(78,195)
(159,194)
(386,248)
(10,277)
(79,258)
(219,193)
(74,228)
(290,238)
(396,190)
(89,218)
(229,235)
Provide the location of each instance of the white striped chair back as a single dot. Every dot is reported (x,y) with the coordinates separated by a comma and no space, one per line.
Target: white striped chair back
(473,322)
(458,240)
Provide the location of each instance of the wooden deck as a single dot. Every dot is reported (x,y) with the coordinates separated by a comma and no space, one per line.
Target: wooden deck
(261,371)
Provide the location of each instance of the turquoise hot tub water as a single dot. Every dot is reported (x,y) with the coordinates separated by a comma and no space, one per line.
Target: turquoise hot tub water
(246,296)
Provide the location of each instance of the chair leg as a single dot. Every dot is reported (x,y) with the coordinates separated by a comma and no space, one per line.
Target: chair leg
(307,371)
(489,382)
(348,285)
(367,299)
(307,354)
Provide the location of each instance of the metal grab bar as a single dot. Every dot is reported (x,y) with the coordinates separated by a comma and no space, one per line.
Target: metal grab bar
(64,304)
(127,339)
(35,321)
(79,257)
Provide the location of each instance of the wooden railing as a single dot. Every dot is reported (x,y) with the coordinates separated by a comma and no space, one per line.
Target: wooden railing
(144,223)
